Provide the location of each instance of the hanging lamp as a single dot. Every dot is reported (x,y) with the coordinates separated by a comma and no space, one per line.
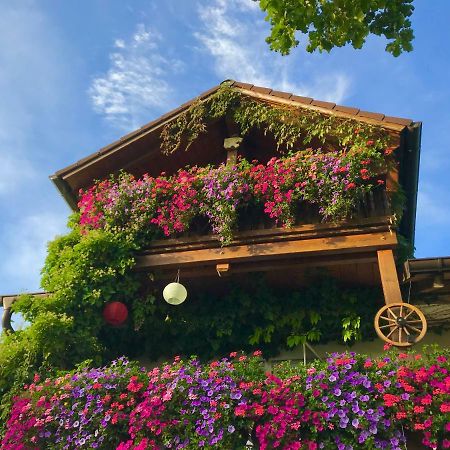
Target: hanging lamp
(175,293)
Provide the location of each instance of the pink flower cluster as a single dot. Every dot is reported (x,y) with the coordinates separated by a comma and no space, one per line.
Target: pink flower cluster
(333,181)
(423,399)
(281,415)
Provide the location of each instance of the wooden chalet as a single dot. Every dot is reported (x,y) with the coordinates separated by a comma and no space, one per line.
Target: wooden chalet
(360,251)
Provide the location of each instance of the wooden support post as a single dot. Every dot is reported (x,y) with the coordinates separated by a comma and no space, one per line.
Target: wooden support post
(389,278)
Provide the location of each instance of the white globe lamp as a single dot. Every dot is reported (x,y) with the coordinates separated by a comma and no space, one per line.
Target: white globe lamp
(175,293)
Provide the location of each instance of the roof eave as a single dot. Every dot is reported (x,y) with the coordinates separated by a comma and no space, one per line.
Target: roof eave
(64,189)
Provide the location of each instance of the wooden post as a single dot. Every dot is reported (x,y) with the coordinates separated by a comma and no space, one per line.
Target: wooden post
(389,278)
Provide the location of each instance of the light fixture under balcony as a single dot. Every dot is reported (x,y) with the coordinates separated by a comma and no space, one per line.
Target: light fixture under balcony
(438,282)
(175,293)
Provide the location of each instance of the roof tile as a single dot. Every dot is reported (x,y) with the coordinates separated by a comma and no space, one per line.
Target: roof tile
(397,120)
(300,99)
(242,85)
(346,109)
(326,105)
(281,94)
(370,115)
(261,90)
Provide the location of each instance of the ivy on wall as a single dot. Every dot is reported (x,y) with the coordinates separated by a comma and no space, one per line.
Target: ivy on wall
(289,126)
(255,314)
(85,271)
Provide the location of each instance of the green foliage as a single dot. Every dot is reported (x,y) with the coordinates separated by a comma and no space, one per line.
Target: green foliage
(184,130)
(251,314)
(289,126)
(335,23)
(351,328)
(82,272)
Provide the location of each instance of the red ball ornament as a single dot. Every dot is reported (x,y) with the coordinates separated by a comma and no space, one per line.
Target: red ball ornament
(115,313)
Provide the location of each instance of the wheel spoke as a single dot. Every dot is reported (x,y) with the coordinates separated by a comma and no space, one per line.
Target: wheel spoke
(387,318)
(390,333)
(414,328)
(392,313)
(413,324)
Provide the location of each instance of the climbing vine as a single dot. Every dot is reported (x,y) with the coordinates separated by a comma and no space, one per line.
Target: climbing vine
(290,126)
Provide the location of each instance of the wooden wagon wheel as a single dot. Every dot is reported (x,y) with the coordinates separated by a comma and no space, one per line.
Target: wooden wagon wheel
(400,324)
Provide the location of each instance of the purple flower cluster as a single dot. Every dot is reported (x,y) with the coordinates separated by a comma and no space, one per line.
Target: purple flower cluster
(223,190)
(352,406)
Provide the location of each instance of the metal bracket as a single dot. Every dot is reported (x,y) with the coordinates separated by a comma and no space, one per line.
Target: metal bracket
(7,313)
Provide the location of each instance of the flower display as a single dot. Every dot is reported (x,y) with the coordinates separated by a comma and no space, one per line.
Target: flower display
(421,398)
(188,405)
(334,181)
(84,409)
(346,396)
(346,402)
(224,190)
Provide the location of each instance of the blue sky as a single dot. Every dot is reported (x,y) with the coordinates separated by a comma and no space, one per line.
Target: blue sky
(74,76)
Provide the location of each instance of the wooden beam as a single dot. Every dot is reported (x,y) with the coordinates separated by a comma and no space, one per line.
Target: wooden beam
(307,231)
(392,180)
(270,250)
(285,265)
(389,278)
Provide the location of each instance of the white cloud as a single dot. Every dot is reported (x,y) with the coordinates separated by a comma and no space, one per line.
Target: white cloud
(233,32)
(25,244)
(135,83)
